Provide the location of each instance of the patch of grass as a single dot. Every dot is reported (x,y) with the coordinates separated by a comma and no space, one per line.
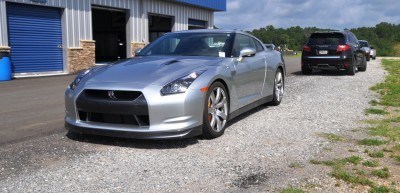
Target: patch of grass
(360,172)
(327,162)
(385,130)
(381,173)
(312,185)
(353,159)
(292,190)
(327,149)
(331,136)
(371,142)
(316,162)
(397,158)
(390,88)
(295,165)
(375,111)
(349,177)
(385,149)
(396,148)
(374,102)
(376,154)
(371,163)
(379,189)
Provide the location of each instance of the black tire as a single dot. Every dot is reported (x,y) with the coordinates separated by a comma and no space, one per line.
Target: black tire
(368,58)
(276,100)
(352,68)
(364,66)
(306,71)
(212,131)
(374,57)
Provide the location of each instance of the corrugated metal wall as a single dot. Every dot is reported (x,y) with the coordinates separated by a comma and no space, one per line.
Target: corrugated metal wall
(77,17)
(3,24)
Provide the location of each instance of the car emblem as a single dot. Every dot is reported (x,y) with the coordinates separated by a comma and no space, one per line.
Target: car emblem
(111,95)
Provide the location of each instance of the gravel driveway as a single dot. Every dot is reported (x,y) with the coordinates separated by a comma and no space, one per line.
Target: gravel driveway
(254,154)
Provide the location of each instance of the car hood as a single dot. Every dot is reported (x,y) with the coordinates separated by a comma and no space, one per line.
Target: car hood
(151,69)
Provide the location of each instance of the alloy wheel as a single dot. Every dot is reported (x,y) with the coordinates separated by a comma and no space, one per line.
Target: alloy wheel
(217,109)
(279,86)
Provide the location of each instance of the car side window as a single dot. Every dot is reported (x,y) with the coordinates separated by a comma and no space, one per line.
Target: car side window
(242,41)
(352,40)
(259,47)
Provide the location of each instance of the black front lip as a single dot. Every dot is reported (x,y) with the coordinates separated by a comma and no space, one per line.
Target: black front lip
(181,134)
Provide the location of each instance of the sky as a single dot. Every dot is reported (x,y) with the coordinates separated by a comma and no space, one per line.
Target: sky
(332,14)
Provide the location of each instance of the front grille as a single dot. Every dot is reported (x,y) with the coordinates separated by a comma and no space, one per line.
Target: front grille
(118,107)
(112,94)
(136,120)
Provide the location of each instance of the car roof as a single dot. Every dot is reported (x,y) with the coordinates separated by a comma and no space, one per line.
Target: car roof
(216,31)
(363,41)
(212,31)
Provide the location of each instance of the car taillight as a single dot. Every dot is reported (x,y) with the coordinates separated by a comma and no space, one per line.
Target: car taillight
(342,48)
(306,48)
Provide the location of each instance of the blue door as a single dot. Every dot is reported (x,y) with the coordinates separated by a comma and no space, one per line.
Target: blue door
(35,38)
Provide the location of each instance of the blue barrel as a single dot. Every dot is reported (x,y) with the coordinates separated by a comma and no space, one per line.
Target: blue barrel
(5,66)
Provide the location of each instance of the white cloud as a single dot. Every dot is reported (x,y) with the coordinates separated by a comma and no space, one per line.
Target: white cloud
(334,14)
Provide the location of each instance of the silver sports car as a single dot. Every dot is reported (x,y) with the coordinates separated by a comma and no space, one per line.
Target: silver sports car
(184,84)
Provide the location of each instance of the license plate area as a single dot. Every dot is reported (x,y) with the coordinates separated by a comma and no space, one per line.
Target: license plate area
(322,52)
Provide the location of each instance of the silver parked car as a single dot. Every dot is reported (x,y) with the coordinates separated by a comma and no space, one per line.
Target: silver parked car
(365,46)
(270,46)
(372,53)
(182,85)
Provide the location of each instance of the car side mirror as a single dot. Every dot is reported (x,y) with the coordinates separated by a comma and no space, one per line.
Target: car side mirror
(137,51)
(246,52)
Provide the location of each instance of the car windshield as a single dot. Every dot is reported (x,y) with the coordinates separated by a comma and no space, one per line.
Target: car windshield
(191,44)
(326,39)
(364,44)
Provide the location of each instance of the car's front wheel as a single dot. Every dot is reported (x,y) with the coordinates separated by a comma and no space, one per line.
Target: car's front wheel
(215,116)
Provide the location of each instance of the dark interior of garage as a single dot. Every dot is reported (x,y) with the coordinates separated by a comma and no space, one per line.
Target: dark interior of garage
(159,25)
(109,32)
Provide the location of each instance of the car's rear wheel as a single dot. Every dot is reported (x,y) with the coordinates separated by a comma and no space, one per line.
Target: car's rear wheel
(215,116)
(352,68)
(306,71)
(279,86)
(364,66)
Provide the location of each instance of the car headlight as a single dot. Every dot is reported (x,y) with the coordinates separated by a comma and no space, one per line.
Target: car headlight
(78,79)
(181,85)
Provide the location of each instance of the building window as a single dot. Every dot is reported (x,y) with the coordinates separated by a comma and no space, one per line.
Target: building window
(197,24)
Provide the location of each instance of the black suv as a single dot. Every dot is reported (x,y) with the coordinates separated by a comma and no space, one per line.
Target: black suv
(333,50)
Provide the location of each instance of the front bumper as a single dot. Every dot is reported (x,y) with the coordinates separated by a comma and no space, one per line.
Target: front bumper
(326,62)
(177,134)
(171,116)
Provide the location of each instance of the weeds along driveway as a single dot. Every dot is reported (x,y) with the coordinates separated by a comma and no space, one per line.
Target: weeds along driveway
(259,151)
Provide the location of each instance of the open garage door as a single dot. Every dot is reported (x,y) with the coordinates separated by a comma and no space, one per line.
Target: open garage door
(109,32)
(159,25)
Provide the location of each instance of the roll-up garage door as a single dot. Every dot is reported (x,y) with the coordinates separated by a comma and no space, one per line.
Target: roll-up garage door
(35,38)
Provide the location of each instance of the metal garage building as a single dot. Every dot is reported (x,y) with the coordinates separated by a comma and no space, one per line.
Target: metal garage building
(66,36)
